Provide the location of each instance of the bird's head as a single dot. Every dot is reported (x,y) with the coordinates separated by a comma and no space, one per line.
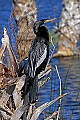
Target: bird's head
(39,23)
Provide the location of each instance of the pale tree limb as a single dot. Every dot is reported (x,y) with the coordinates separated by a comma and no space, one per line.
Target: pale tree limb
(60,90)
(5,111)
(45,72)
(17,92)
(5,43)
(2,49)
(59,80)
(30,112)
(11,53)
(54,114)
(19,112)
(42,82)
(44,106)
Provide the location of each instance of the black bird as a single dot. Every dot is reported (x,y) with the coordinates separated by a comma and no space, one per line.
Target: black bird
(38,55)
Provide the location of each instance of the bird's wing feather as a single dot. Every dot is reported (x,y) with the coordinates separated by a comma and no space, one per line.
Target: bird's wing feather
(42,58)
(37,55)
(31,64)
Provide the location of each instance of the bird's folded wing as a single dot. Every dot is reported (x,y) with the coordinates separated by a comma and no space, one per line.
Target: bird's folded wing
(42,58)
(37,56)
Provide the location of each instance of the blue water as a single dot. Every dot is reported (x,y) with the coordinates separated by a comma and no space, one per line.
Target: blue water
(49,9)
(69,68)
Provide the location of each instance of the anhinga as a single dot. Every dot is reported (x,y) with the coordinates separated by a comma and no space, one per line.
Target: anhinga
(38,55)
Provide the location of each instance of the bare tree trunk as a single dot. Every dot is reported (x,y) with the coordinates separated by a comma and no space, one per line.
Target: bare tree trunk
(24,12)
(69,28)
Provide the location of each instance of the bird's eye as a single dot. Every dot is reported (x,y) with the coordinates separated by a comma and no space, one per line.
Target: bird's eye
(28,5)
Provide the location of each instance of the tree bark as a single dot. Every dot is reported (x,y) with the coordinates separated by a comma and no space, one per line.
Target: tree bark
(69,27)
(24,12)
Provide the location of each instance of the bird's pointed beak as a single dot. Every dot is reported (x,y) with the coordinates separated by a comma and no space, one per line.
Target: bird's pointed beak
(50,20)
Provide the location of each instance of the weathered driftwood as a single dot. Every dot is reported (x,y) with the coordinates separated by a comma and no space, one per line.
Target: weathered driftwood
(18,113)
(45,72)
(42,82)
(53,115)
(17,92)
(18,101)
(44,106)
(5,111)
(6,74)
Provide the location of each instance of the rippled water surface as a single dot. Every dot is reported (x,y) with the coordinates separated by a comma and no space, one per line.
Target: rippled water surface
(69,68)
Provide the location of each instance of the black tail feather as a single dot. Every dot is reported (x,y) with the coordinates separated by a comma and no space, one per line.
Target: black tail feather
(33,94)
